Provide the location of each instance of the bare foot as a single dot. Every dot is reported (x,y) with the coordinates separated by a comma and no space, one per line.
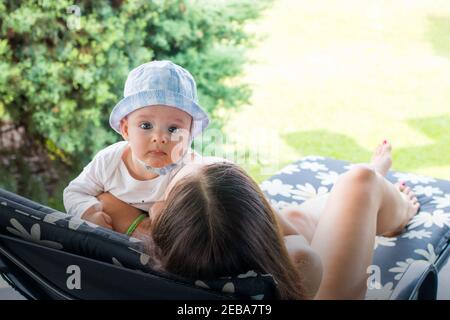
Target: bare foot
(411,207)
(382,158)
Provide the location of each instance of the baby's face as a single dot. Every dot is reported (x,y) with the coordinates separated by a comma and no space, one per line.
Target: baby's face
(158,135)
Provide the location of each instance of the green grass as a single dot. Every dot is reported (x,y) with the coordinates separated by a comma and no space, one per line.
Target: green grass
(335,78)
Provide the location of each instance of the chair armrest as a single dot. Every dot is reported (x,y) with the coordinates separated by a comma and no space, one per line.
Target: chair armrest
(419,282)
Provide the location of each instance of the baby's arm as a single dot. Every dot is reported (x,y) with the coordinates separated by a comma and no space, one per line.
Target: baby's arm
(122,214)
(98,217)
(80,195)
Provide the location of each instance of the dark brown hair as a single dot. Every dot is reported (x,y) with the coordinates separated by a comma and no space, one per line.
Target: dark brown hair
(218,223)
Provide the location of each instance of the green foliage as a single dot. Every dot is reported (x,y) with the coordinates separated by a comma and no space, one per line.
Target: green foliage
(62,72)
(61,82)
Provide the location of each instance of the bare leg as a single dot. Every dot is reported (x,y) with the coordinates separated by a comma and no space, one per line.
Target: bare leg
(361,204)
(342,224)
(305,217)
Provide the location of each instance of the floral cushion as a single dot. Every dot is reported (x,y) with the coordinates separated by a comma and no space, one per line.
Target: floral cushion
(30,221)
(424,238)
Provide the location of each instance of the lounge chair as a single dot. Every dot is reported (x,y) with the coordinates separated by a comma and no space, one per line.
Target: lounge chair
(46,254)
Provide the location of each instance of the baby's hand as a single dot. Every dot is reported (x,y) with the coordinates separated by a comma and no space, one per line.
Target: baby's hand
(100,218)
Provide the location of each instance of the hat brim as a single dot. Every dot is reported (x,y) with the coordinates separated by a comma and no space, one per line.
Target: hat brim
(146,98)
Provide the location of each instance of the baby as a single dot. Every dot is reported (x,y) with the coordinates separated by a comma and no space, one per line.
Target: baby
(158,118)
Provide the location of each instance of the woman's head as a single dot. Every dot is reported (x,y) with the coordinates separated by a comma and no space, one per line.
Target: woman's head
(218,223)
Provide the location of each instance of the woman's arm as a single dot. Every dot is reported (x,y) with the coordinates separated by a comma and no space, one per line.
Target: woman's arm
(287,228)
(122,214)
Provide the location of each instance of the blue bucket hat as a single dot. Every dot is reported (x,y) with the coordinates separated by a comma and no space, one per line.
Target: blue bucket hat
(160,83)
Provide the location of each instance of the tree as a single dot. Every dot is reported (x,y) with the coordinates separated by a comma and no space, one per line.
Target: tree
(63,68)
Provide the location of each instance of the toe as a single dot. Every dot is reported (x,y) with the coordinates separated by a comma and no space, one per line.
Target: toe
(388,147)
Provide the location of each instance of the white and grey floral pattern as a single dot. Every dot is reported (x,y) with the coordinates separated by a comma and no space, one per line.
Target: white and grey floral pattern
(419,241)
(384,241)
(307,191)
(30,221)
(442,202)
(307,178)
(34,234)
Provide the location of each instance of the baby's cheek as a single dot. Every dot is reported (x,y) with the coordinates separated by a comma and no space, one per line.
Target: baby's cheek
(178,150)
(142,146)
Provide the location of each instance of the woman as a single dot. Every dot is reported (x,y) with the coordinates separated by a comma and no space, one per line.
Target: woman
(216,222)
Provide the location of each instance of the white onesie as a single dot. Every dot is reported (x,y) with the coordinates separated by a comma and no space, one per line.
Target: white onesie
(107,173)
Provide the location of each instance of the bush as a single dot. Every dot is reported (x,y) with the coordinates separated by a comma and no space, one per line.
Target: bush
(63,67)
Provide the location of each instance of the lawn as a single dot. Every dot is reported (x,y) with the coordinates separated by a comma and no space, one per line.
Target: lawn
(335,78)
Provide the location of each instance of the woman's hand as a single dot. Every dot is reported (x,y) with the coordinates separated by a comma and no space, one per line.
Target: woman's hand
(301,222)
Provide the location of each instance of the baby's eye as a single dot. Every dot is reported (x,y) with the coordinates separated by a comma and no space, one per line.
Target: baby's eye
(146,125)
(173,129)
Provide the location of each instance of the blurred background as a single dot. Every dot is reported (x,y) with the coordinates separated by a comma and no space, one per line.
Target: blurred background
(281,79)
